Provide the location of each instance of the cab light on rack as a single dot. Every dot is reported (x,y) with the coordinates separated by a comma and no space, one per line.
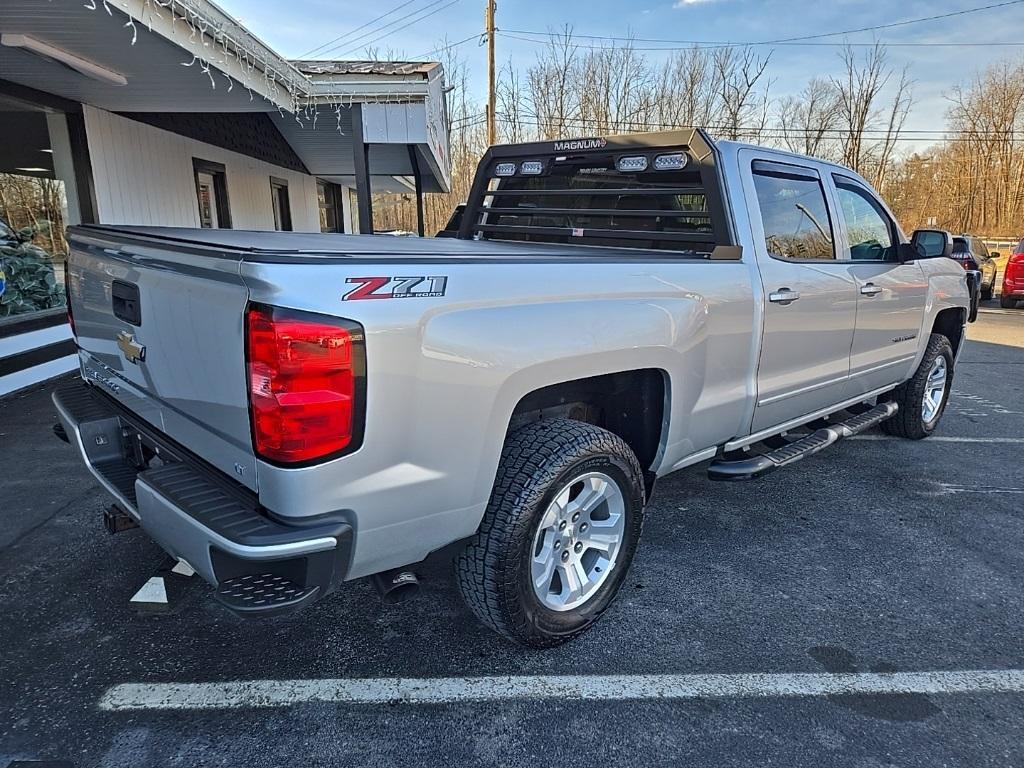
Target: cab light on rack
(505,169)
(675,161)
(631,164)
(531,167)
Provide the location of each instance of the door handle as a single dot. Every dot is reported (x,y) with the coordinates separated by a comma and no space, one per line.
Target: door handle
(870,289)
(783,296)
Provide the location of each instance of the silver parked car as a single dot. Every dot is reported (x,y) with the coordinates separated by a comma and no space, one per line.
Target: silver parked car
(289,411)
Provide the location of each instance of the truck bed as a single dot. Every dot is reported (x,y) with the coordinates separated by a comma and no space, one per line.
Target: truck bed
(272,247)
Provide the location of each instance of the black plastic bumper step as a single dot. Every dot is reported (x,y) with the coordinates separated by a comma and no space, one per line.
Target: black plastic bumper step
(263,594)
(750,467)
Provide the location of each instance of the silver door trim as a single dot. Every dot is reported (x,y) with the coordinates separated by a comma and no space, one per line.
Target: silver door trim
(900,361)
(802,390)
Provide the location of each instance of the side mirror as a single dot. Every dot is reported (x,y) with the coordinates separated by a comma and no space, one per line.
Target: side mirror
(931,244)
(994,254)
(907,252)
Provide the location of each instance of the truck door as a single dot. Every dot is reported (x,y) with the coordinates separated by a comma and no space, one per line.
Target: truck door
(810,297)
(890,296)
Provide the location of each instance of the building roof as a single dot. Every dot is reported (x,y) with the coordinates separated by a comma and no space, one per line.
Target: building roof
(192,57)
(332,67)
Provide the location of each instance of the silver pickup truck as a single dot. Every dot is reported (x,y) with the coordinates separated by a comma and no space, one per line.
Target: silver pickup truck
(286,411)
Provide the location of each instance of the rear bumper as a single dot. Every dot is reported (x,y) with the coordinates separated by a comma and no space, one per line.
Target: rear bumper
(196,514)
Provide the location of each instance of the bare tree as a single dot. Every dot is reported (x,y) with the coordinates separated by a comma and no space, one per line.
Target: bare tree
(552,97)
(985,115)
(511,110)
(808,121)
(744,106)
(974,181)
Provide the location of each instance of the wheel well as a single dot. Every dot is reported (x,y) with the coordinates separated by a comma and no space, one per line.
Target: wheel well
(950,323)
(629,403)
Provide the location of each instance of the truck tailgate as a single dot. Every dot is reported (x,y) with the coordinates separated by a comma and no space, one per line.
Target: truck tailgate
(160,328)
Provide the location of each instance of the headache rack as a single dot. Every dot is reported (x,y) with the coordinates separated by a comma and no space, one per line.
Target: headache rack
(654,191)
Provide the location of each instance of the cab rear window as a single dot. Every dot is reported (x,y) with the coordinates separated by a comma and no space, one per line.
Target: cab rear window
(588,200)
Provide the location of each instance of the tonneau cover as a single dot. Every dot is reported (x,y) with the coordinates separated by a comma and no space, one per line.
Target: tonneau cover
(272,245)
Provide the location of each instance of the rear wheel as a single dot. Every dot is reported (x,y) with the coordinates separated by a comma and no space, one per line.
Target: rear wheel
(986,293)
(1007,302)
(558,534)
(923,398)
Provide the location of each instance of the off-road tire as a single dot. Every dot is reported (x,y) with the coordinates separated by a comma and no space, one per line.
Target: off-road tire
(493,571)
(908,421)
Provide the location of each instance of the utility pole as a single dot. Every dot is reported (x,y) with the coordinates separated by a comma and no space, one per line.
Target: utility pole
(492,134)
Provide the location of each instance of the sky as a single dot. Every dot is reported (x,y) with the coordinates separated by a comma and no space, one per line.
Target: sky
(294,27)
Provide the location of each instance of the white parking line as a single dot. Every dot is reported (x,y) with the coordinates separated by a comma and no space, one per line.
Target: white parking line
(948,488)
(453,690)
(944,439)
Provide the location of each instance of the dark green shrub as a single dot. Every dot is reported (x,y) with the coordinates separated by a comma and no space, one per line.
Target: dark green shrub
(29,278)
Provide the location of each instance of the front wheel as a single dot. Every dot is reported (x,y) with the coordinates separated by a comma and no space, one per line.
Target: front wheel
(558,534)
(922,399)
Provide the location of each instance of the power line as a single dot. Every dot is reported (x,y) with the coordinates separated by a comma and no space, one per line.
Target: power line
(463,41)
(349,46)
(719,46)
(475,117)
(773,132)
(352,32)
(779,41)
(368,43)
(903,23)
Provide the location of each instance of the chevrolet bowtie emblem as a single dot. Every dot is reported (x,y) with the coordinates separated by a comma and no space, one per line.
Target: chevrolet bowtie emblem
(132,350)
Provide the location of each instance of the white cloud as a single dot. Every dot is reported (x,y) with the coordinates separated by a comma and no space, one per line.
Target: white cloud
(684,3)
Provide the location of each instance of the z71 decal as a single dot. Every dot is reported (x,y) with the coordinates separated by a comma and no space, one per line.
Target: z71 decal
(396,287)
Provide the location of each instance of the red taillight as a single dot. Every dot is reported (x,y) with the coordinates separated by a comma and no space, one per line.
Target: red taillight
(305,384)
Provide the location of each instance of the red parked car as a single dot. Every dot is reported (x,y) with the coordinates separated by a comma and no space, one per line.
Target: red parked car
(1013,279)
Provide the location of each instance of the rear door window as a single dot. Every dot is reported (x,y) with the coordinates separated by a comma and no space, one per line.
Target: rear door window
(793,212)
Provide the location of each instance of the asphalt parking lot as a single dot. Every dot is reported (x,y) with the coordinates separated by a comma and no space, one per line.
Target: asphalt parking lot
(879,556)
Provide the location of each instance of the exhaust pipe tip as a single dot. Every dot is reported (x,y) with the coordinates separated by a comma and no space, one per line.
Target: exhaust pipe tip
(395,586)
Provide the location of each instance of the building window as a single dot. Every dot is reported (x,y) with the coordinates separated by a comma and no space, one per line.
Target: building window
(34,210)
(279,200)
(212,194)
(329,197)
